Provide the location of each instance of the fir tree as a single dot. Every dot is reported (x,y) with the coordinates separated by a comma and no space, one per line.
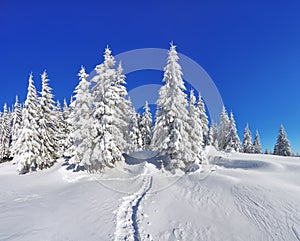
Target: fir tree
(67,129)
(282,147)
(232,141)
(256,144)
(224,129)
(105,150)
(171,130)
(204,120)
(5,134)
(17,115)
(59,128)
(210,136)
(82,123)
(66,110)
(247,141)
(121,109)
(47,126)
(213,132)
(146,126)
(27,151)
(135,135)
(17,123)
(71,106)
(196,131)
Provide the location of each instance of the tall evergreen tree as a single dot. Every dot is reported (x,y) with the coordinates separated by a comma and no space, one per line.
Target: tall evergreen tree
(232,140)
(68,127)
(66,110)
(213,134)
(59,128)
(28,144)
(49,146)
(247,141)
(171,130)
(105,150)
(17,123)
(210,136)
(224,129)
(256,144)
(196,131)
(204,120)
(5,134)
(282,147)
(135,135)
(82,123)
(121,109)
(146,126)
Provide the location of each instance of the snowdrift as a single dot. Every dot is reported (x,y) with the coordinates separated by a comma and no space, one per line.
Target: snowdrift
(235,197)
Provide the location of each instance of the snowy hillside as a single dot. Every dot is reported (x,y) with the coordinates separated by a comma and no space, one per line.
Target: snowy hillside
(236,197)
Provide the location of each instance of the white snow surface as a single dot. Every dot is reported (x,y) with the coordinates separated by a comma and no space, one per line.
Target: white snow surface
(235,197)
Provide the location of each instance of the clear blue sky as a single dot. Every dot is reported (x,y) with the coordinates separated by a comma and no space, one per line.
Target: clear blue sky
(251,49)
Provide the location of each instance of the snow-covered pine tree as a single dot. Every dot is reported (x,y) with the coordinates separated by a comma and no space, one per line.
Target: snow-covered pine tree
(210,136)
(66,109)
(27,151)
(171,130)
(105,150)
(204,120)
(224,129)
(71,104)
(213,133)
(256,145)
(196,131)
(5,135)
(232,141)
(121,109)
(59,128)
(82,123)
(16,126)
(282,146)
(135,135)
(247,141)
(67,128)
(146,126)
(48,134)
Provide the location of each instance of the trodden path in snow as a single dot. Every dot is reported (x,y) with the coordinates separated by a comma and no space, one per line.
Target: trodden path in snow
(127,213)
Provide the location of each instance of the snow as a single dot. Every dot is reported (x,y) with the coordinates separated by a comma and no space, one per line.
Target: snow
(143,155)
(236,197)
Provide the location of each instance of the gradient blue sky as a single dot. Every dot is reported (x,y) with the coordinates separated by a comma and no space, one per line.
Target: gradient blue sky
(251,49)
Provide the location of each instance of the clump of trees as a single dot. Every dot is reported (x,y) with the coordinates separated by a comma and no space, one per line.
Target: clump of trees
(100,124)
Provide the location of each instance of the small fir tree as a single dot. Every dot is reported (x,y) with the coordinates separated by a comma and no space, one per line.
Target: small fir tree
(257,144)
(282,147)
(17,123)
(223,129)
(247,141)
(204,120)
(232,141)
(196,131)
(146,126)
(5,134)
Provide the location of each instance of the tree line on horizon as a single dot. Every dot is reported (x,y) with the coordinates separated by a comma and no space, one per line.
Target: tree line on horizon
(101,125)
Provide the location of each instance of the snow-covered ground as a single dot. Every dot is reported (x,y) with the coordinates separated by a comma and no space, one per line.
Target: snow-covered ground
(236,197)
